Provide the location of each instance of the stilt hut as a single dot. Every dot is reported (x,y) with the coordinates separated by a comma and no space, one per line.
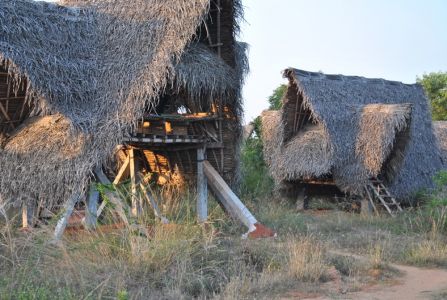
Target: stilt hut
(159,78)
(352,132)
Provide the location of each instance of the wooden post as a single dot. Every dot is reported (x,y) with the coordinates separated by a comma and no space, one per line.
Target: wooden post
(202,188)
(136,209)
(91,210)
(62,223)
(28,215)
(229,199)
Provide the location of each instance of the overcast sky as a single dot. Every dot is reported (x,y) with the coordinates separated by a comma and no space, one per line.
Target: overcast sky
(391,39)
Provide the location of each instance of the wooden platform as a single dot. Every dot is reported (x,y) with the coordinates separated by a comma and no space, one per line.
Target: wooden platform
(166,139)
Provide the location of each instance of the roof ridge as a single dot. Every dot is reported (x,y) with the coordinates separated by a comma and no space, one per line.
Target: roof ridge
(303,74)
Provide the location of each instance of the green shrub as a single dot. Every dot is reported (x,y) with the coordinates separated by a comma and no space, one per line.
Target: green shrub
(256,181)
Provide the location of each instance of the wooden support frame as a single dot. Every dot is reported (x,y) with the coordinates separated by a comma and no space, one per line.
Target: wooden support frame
(122,171)
(202,188)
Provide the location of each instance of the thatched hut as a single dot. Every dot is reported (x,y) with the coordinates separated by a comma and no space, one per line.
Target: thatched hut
(78,78)
(345,130)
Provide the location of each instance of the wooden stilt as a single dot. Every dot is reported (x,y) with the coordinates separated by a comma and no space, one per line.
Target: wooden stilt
(112,196)
(92,207)
(123,171)
(28,214)
(202,188)
(62,223)
(154,204)
(136,209)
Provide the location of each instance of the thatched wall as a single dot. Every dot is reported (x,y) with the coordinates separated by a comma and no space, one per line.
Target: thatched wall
(365,133)
(98,64)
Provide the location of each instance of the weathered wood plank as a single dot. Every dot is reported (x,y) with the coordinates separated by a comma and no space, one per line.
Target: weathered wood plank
(229,199)
(124,170)
(63,221)
(202,189)
(28,215)
(133,165)
(91,212)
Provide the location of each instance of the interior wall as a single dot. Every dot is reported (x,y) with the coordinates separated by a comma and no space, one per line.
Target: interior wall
(13,107)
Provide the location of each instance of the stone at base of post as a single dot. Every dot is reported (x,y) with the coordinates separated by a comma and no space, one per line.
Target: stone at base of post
(202,188)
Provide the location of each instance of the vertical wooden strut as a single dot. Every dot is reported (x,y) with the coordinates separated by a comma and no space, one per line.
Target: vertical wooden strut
(202,188)
(219,22)
(28,215)
(136,209)
(92,207)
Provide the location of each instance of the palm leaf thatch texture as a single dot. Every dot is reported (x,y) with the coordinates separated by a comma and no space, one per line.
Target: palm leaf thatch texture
(352,129)
(91,68)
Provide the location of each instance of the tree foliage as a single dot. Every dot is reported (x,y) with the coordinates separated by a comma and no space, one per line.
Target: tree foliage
(435,85)
(256,181)
(275,100)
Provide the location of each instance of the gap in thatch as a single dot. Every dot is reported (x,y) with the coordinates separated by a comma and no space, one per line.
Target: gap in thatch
(394,162)
(295,114)
(14,107)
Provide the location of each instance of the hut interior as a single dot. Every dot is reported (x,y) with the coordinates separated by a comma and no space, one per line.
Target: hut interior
(14,107)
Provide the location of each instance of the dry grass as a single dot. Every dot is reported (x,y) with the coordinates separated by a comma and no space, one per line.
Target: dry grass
(306,260)
(432,252)
(191,261)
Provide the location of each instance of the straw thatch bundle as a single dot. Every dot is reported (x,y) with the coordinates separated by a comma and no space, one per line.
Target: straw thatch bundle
(357,128)
(310,145)
(98,65)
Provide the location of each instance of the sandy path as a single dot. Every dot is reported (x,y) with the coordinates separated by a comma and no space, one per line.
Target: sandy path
(416,283)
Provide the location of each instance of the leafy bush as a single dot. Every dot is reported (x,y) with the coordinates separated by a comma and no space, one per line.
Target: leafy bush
(435,85)
(256,181)
(437,204)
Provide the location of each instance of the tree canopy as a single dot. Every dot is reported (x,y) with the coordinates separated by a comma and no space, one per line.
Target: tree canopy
(435,85)
(275,99)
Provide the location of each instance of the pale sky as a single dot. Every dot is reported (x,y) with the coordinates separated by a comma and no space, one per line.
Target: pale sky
(391,39)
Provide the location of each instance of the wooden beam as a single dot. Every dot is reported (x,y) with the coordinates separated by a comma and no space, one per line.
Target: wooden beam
(91,211)
(165,140)
(63,221)
(228,198)
(28,215)
(136,209)
(202,189)
(123,171)
(4,112)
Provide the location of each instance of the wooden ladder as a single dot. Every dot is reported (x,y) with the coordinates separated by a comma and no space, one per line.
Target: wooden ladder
(377,192)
